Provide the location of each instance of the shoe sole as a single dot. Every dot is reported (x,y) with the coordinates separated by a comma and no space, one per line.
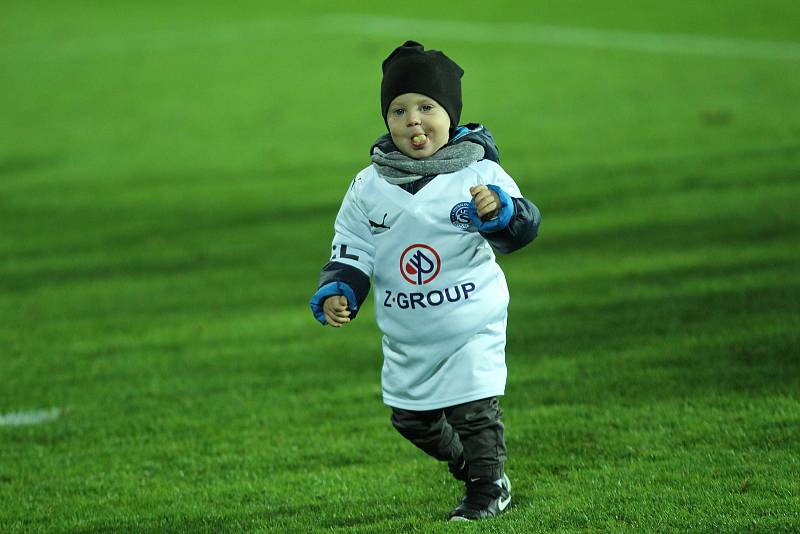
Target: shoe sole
(503,505)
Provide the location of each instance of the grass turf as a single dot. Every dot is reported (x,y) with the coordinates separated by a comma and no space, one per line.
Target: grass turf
(168,182)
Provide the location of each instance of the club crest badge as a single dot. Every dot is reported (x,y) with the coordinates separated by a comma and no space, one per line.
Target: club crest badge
(459,215)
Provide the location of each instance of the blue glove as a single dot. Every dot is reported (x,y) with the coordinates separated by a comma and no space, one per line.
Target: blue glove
(329,290)
(504,215)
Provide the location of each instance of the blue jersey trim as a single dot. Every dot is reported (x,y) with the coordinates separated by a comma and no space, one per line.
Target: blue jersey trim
(461,131)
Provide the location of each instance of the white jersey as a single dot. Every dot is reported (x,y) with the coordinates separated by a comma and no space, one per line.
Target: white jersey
(440,298)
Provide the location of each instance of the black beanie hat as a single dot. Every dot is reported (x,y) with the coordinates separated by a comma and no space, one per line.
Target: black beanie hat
(412,69)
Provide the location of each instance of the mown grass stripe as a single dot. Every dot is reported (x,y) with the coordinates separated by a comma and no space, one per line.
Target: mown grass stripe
(647,42)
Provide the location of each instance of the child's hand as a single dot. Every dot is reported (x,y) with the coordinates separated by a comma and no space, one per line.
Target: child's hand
(487,203)
(335,310)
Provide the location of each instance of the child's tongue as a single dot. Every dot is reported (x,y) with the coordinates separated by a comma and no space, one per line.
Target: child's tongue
(419,140)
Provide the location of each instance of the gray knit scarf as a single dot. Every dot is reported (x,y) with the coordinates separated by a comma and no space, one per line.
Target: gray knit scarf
(397,168)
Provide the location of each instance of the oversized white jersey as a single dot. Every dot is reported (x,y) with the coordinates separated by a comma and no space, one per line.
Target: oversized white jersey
(440,298)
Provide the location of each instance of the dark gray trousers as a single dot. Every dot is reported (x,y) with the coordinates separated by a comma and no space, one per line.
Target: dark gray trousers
(472,431)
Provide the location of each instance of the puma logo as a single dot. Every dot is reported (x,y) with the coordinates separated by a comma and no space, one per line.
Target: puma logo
(382,223)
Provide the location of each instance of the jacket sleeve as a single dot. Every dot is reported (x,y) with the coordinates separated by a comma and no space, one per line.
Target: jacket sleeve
(352,257)
(521,230)
(521,218)
(355,279)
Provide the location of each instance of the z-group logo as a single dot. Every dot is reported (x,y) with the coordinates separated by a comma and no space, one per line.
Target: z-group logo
(420,264)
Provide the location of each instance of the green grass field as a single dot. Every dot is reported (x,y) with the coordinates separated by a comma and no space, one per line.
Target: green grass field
(169,175)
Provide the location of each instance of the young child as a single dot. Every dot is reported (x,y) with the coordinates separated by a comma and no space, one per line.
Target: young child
(421,221)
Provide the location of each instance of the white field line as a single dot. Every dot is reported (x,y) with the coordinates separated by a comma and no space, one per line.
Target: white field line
(269,30)
(112,44)
(33,417)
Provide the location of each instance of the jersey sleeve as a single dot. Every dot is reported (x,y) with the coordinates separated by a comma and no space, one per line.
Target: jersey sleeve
(352,241)
(352,257)
(501,179)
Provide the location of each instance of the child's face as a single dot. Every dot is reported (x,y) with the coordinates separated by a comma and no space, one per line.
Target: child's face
(419,125)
